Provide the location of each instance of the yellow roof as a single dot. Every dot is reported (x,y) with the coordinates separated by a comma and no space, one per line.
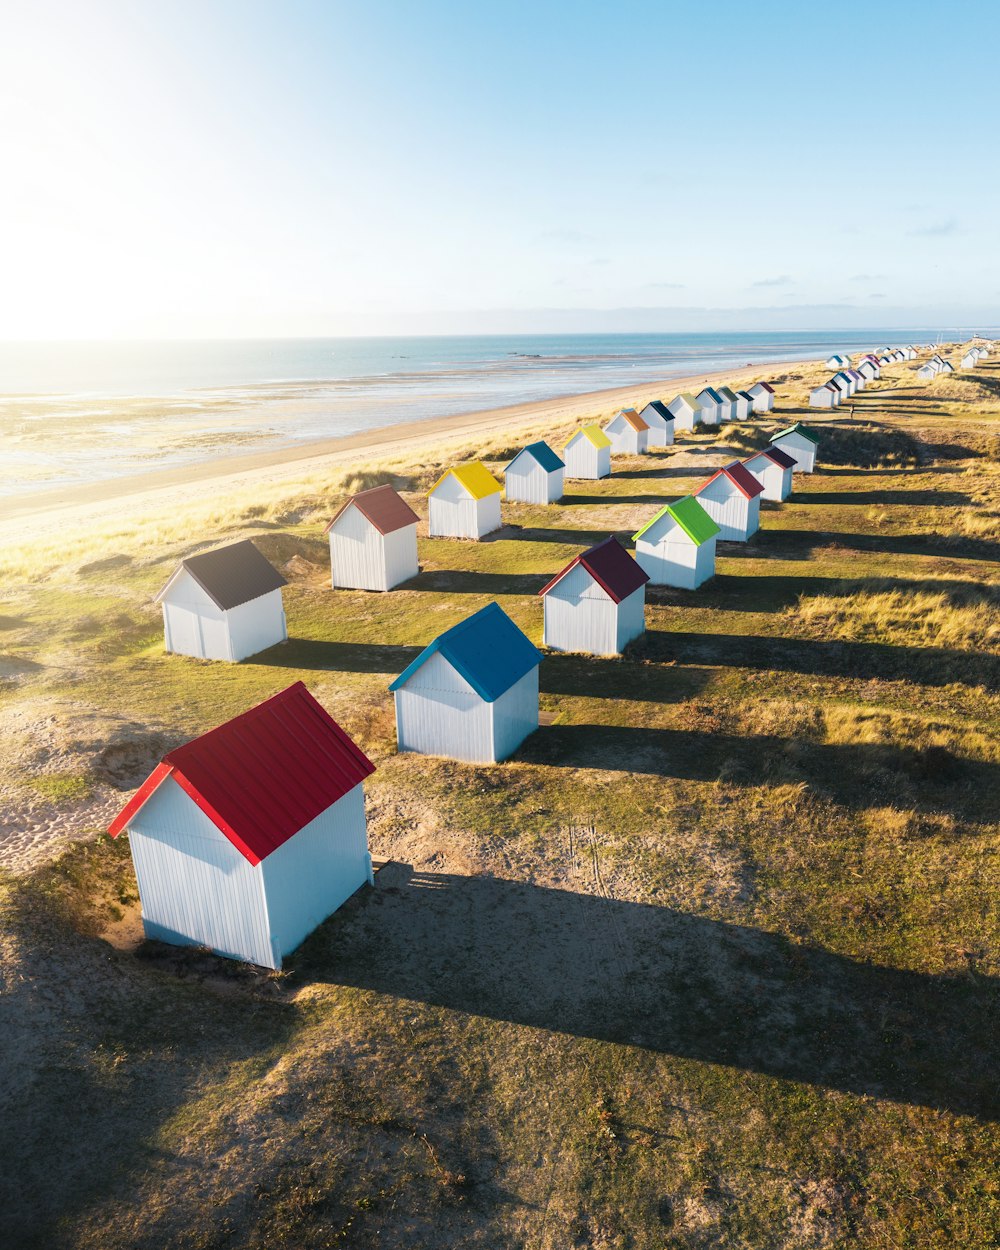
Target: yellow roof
(476,479)
(595,434)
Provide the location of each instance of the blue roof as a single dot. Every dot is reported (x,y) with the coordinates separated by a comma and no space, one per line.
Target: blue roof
(487,649)
(716,397)
(544,454)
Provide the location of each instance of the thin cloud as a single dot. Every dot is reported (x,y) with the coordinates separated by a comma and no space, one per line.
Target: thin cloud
(780,280)
(937,229)
(869,277)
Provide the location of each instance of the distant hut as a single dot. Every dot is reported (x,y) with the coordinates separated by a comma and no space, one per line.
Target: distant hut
(535,475)
(597,603)
(223,604)
(928,371)
(744,405)
(868,370)
(844,379)
(773,469)
(472,694)
(660,421)
(729,402)
(858,378)
(628,432)
(947,367)
(762,395)
(731,498)
(969,360)
(713,407)
(676,547)
(588,454)
(799,442)
(373,541)
(837,361)
(686,411)
(464,503)
(247,838)
(842,388)
(825,396)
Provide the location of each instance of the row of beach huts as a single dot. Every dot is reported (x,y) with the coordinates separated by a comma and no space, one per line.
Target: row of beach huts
(853,376)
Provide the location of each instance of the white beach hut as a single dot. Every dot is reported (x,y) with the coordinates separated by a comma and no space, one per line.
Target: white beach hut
(744,405)
(844,380)
(588,454)
(837,361)
(858,378)
(628,433)
(686,411)
(969,360)
(472,694)
(731,498)
(928,371)
(712,407)
(535,475)
(660,420)
(223,604)
(947,367)
(464,503)
(596,604)
(676,547)
(773,469)
(762,394)
(868,370)
(729,402)
(799,442)
(247,838)
(373,541)
(825,396)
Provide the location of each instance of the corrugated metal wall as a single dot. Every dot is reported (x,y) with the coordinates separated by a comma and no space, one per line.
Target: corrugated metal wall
(365,559)
(196,888)
(452,513)
(631,617)
(585,461)
(313,873)
(192,623)
(580,616)
(438,713)
(528,482)
(802,451)
(256,625)
(515,715)
(736,516)
(674,560)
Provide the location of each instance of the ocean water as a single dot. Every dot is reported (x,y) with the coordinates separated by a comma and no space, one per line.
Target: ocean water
(84,412)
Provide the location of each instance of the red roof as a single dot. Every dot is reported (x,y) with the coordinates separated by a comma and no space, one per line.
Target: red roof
(262,776)
(741,478)
(611,566)
(767,386)
(381,505)
(780,457)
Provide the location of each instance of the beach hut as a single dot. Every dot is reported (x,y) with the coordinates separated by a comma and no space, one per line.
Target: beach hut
(588,454)
(970,359)
(729,403)
(597,603)
(247,838)
(464,503)
(628,433)
(373,541)
(223,604)
(825,396)
(844,380)
(799,442)
(731,498)
(712,407)
(927,371)
(773,469)
(535,475)
(859,379)
(842,388)
(762,396)
(686,411)
(744,405)
(677,546)
(837,361)
(660,420)
(910,352)
(947,367)
(472,694)
(868,370)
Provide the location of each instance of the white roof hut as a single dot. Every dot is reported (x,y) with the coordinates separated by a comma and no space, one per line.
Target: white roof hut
(731,498)
(588,454)
(686,411)
(800,443)
(762,394)
(373,541)
(472,694)
(712,407)
(223,604)
(535,475)
(773,469)
(628,432)
(596,604)
(825,396)
(247,838)
(464,503)
(677,546)
(660,420)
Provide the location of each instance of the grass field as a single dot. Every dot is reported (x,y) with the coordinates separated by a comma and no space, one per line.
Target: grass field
(712,962)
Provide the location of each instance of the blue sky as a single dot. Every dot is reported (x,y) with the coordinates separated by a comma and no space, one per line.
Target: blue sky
(208,168)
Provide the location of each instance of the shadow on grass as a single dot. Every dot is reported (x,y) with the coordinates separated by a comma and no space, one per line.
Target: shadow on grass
(475,582)
(338,657)
(597,967)
(654,501)
(881,498)
(799,544)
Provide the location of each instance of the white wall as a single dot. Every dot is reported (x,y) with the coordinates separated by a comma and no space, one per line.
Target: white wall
(257,625)
(631,617)
(736,516)
(670,557)
(192,623)
(802,451)
(624,439)
(584,460)
(661,434)
(363,558)
(580,616)
(438,713)
(821,398)
(515,715)
(312,874)
(528,482)
(196,888)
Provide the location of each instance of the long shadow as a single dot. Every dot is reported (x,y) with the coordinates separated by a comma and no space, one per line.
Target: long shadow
(474,582)
(570,537)
(652,500)
(337,657)
(798,544)
(914,498)
(875,471)
(673,983)
(931,666)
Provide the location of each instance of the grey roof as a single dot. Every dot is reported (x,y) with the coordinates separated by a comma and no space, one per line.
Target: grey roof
(232,575)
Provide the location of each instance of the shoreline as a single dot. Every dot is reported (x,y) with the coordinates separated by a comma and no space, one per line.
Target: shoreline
(179,484)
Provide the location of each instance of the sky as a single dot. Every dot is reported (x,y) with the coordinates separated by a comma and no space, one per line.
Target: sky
(249,168)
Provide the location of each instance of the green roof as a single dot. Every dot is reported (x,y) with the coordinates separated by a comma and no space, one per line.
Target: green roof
(726,392)
(798,428)
(690,516)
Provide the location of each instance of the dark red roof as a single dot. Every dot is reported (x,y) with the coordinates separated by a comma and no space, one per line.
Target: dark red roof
(611,566)
(262,776)
(779,457)
(767,386)
(386,510)
(741,478)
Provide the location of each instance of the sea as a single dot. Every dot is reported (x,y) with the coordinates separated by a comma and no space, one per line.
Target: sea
(82,412)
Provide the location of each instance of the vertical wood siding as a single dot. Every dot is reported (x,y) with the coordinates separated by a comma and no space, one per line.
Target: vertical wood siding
(515,715)
(438,713)
(363,558)
(257,625)
(736,516)
(580,616)
(528,482)
(674,560)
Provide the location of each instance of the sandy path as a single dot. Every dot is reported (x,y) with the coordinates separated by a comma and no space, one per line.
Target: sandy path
(28,516)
